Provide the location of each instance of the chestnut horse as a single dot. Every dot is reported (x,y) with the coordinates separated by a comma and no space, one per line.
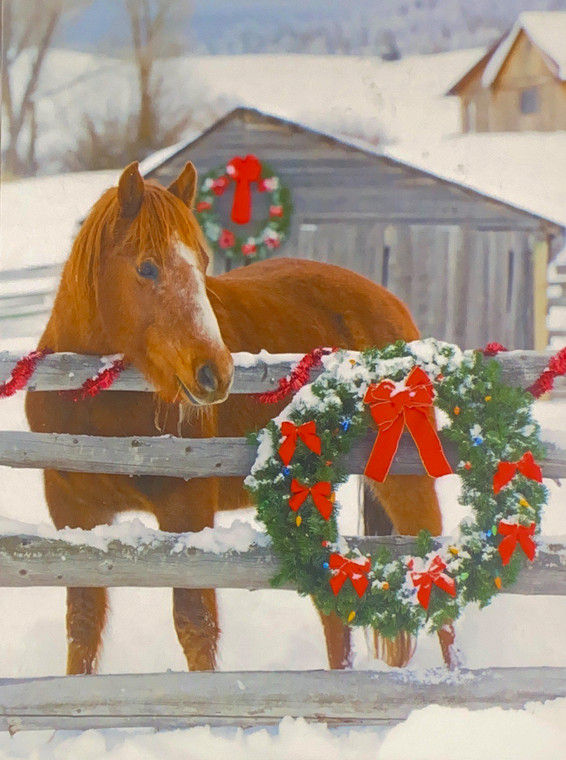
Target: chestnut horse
(135,284)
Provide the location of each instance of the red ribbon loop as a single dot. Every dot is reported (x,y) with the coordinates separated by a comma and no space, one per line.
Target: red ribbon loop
(243,171)
(355,570)
(513,534)
(395,405)
(434,576)
(506,471)
(320,494)
(307,434)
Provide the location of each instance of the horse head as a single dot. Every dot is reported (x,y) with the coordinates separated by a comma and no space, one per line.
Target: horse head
(150,287)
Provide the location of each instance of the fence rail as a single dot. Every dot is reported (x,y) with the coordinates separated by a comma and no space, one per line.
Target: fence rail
(180,700)
(253,373)
(195,457)
(168,559)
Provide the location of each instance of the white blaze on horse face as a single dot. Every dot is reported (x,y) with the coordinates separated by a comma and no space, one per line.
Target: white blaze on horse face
(204,316)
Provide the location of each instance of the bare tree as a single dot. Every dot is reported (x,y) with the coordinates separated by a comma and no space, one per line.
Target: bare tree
(28,29)
(153,26)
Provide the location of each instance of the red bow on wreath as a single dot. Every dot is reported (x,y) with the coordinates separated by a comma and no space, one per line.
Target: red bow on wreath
(507,470)
(434,576)
(320,495)
(243,171)
(514,534)
(307,434)
(355,570)
(395,405)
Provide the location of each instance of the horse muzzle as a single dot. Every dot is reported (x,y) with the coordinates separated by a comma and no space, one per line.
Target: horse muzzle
(210,386)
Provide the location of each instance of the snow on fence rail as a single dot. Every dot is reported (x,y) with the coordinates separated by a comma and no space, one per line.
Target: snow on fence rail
(100,558)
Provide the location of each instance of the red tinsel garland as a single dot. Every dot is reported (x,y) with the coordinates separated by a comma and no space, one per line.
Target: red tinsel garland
(298,377)
(545,382)
(100,382)
(492,349)
(22,372)
(556,368)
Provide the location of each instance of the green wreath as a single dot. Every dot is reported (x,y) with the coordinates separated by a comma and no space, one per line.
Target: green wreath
(492,428)
(269,234)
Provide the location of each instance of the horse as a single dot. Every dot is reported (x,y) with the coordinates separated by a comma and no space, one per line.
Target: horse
(135,284)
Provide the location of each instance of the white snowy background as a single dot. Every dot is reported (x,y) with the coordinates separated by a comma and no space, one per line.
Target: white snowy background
(270,630)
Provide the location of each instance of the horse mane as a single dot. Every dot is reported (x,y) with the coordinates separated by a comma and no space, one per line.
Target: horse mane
(161,219)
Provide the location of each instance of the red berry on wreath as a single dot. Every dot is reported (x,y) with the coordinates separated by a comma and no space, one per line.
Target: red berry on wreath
(204,206)
(272,240)
(248,249)
(276,210)
(226,239)
(219,185)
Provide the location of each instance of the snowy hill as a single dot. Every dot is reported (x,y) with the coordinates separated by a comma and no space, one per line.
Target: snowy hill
(359,96)
(400,106)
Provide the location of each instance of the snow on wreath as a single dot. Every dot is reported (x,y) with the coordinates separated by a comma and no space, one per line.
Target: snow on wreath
(245,174)
(297,470)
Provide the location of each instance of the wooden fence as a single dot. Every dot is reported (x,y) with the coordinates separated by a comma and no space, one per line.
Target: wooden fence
(238,698)
(557,298)
(26,298)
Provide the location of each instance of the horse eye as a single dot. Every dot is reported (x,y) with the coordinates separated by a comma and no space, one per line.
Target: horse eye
(148,270)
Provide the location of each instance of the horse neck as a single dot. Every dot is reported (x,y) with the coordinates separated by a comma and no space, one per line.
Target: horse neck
(73,325)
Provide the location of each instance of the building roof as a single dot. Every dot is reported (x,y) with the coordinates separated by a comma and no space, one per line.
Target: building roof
(437,166)
(546,30)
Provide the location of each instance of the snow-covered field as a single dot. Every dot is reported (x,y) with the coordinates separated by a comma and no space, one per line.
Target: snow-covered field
(272,630)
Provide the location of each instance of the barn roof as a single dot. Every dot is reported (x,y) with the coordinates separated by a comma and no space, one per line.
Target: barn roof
(393,156)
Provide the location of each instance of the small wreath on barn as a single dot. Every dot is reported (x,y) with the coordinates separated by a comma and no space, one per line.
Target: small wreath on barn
(269,234)
(298,468)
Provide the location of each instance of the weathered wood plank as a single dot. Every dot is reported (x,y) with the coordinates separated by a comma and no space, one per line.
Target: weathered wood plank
(539,289)
(167,559)
(29,273)
(66,371)
(193,457)
(165,700)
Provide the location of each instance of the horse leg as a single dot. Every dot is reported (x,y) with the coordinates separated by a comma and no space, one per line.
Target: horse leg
(190,507)
(338,641)
(336,633)
(68,495)
(411,504)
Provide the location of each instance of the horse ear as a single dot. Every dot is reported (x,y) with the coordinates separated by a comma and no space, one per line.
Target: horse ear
(130,191)
(185,186)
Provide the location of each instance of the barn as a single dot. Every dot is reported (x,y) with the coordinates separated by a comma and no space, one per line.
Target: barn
(471,268)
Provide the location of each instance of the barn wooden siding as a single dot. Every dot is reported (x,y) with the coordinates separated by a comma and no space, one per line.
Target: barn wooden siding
(463,263)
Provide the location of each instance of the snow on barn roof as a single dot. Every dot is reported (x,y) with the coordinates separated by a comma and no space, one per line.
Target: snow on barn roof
(546,30)
(523,171)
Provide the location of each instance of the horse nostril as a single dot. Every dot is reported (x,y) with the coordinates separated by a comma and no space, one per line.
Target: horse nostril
(206,377)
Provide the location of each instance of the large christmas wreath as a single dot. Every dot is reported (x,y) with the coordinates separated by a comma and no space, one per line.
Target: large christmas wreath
(269,234)
(298,468)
